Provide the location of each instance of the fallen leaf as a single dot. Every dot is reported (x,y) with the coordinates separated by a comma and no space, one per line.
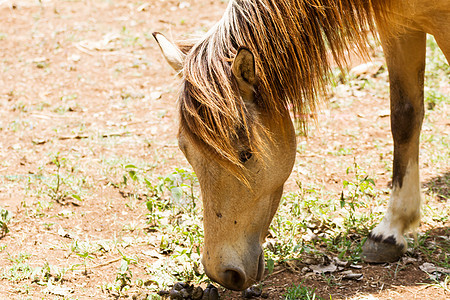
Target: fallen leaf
(342,263)
(65,234)
(152,253)
(350,275)
(319,269)
(355,266)
(65,213)
(155,95)
(384,113)
(431,268)
(143,7)
(58,290)
(408,260)
(184,4)
(74,57)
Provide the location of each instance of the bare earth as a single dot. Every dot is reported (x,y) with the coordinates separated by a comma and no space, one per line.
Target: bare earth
(84,92)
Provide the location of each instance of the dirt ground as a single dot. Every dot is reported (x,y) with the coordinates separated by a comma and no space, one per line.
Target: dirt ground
(84,91)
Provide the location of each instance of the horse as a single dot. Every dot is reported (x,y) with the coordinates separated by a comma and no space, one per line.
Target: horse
(265,59)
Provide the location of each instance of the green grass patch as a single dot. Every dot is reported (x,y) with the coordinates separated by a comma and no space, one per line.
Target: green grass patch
(315,222)
(301,292)
(5,217)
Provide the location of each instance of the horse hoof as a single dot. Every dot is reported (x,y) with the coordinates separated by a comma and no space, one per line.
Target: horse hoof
(376,250)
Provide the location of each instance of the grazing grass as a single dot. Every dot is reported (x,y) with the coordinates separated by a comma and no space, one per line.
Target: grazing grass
(58,179)
(175,212)
(314,222)
(5,217)
(20,268)
(301,292)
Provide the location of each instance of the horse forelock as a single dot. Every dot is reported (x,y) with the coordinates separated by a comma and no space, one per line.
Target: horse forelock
(290,41)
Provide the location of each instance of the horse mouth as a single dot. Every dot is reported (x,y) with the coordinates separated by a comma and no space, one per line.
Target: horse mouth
(261,267)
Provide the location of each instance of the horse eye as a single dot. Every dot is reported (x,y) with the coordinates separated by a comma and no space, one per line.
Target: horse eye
(244,156)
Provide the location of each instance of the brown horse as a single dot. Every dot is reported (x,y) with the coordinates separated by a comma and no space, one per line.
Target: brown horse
(263,58)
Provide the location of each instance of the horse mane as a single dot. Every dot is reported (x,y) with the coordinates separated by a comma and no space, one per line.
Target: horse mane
(291,41)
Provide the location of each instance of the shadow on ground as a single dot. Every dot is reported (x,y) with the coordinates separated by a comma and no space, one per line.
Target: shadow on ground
(440,186)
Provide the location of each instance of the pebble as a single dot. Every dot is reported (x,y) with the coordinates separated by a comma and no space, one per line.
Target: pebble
(182,291)
(179,286)
(210,293)
(140,296)
(251,292)
(175,295)
(163,293)
(197,293)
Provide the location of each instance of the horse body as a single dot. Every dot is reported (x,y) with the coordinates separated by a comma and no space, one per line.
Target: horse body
(264,57)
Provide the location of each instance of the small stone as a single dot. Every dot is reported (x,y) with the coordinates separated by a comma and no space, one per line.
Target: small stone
(251,292)
(179,286)
(140,296)
(175,295)
(214,294)
(163,293)
(197,294)
(185,294)
(211,293)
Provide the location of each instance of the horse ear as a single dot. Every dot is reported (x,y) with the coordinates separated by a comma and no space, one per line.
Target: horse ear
(243,69)
(172,53)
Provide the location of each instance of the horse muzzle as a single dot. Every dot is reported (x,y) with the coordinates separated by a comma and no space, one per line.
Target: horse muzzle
(237,274)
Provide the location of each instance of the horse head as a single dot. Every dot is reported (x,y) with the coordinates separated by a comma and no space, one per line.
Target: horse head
(240,189)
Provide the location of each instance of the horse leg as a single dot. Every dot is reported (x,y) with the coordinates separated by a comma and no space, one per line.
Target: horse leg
(405,57)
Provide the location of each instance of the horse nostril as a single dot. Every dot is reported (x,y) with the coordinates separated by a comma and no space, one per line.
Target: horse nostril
(234,279)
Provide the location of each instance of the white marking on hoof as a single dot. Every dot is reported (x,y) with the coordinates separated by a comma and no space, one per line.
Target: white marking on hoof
(403,210)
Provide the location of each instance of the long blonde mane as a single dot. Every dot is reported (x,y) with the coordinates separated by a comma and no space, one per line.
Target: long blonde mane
(291,41)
